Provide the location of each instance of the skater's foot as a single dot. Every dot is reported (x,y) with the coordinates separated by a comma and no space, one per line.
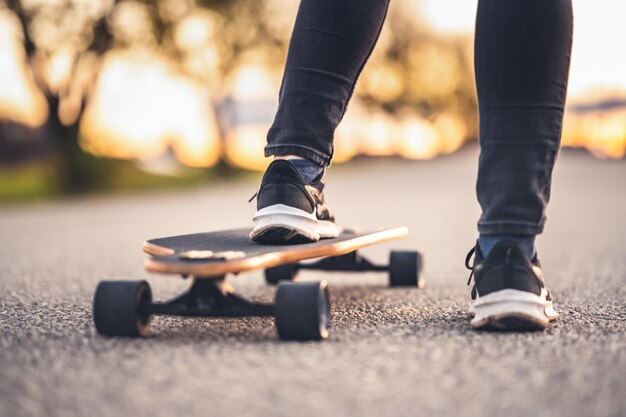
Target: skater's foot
(290,208)
(509,291)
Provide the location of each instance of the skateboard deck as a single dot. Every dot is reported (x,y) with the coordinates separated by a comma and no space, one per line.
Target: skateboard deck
(214,254)
(300,309)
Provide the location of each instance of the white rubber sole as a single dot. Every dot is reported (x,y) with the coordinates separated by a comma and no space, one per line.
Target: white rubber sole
(512,310)
(296,220)
(327,229)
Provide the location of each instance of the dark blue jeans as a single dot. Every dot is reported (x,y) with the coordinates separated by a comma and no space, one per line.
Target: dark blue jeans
(522,55)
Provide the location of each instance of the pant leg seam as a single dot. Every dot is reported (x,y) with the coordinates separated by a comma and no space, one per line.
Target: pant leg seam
(507,222)
(308,152)
(492,142)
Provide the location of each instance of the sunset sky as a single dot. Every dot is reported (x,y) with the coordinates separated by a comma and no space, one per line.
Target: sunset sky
(598,29)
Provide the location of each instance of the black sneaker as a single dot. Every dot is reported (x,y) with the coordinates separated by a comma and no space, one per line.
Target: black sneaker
(509,291)
(290,209)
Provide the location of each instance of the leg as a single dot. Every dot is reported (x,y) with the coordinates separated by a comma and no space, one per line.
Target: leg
(330,44)
(522,56)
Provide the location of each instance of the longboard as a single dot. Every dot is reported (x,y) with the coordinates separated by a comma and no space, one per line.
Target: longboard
(214,254)
(300,310)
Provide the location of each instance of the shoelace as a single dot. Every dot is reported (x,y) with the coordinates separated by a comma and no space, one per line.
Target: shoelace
(467,264)
(252,198)
(471,267)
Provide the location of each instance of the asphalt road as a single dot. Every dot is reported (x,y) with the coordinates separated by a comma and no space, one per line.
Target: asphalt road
(392,352)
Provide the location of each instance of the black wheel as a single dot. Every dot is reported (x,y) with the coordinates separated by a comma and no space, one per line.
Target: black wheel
(404,268)
(302,310)
(116,308)
(279,273)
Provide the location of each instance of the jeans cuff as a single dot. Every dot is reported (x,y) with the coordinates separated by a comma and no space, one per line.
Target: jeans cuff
(298,150)
(510,228)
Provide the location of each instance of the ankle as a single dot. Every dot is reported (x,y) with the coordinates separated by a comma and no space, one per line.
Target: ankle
(286,157)
(526,243)
(310,171)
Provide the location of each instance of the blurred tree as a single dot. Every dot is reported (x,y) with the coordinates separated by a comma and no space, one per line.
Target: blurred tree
(414,66)
(66,41)
(62,41)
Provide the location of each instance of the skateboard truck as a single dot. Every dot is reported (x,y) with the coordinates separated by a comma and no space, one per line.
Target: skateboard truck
(404,268)
(208,298)
(124,308)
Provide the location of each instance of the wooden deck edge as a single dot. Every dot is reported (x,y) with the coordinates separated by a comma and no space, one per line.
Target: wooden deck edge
(156,250)
(267,260)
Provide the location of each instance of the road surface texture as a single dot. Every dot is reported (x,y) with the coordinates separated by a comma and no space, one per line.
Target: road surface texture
(392,352)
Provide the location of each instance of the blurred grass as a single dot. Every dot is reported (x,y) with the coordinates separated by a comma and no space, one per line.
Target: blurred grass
(40,181)
(28,182)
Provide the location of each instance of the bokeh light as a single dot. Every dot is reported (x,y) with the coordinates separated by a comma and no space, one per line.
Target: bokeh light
(200,81)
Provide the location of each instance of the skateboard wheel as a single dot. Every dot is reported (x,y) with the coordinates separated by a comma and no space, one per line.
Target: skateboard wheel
(279,273)
(116,308)
(302,310)
(404,268)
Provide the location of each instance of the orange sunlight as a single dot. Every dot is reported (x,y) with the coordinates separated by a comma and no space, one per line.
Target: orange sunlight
(20,99)
(141,106)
